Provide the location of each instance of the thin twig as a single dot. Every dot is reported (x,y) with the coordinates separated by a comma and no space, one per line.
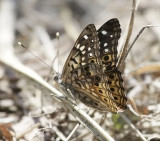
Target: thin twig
(140,32)
(72,132)
(125,47)
(133,127)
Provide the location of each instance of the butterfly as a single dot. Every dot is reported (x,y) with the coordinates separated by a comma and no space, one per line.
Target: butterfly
(90,71)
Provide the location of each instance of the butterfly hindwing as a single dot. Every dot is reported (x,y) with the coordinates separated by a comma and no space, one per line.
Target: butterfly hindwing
(88,84)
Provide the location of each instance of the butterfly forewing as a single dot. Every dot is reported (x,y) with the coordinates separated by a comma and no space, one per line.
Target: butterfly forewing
(90,71)
(83,52)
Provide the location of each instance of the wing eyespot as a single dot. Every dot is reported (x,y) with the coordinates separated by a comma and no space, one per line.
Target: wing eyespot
(97,78)
(105,100)
(106,58)
(115,98)
(96,84)
(110,82)
(112,89)
(92,61)
(111,76)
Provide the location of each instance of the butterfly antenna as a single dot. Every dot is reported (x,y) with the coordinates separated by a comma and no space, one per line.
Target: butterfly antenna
(57,35)
(19,43)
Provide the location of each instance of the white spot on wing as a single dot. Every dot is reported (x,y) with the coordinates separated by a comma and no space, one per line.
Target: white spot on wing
(111,36)
(105,44)
(85,37)
(82,47)
(90,54)
(89,49)
(78,46)
(83,52)
(104,32)
(106,50)
(83,58)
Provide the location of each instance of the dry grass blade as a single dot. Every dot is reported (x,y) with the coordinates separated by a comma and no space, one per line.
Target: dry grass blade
(73,131)
(146,68)
(140,32)
(125,47)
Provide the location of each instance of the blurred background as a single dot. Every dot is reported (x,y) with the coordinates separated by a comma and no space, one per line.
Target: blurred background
(35,24)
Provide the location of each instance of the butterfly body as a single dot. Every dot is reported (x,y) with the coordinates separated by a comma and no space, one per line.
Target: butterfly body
(90,71)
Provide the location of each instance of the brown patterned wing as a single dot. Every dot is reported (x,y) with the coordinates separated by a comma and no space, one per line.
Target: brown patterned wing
(83,73)
(83,52)
(88,84)
(109,34)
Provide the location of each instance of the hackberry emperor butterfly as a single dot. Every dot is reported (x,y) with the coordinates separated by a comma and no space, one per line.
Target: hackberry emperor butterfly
(90,71)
